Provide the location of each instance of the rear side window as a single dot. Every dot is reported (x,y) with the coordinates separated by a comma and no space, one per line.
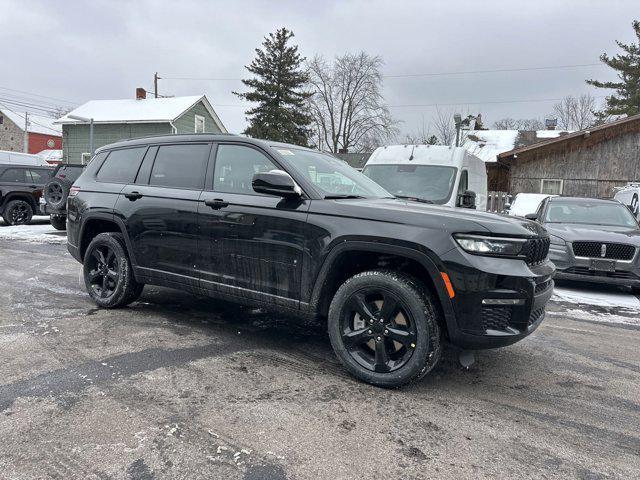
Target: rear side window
(13,175)
(121,166)
(69,172)
(180,166)
(38,176)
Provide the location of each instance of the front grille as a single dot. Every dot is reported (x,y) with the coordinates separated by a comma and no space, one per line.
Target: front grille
(496,318)
(612,251)
(536,315)
(597,273)
(536,250)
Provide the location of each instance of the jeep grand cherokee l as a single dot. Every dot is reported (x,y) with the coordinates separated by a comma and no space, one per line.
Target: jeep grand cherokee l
(294,229)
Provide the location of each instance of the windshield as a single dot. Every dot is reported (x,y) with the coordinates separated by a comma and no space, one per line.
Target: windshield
(609,214)
(426,182)
(332,176)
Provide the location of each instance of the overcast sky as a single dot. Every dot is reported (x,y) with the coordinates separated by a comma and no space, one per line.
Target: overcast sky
(79,51)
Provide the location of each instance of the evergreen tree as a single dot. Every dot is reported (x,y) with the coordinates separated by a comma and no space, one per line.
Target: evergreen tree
(278,89)
(626,99)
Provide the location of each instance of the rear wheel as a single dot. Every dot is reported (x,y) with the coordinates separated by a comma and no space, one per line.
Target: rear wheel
(108,275)
(383,327)
(56,192)
(18,212)
(59,222)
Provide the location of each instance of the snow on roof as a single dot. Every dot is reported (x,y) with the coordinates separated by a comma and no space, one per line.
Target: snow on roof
(134,111)
(51,156)
(37,123)
(488,144)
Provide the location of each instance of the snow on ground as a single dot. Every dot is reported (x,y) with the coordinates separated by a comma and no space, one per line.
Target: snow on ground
(37,231)
(597,304)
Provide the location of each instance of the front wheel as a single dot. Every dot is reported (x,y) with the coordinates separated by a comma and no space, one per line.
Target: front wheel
(108,275)
(383,327)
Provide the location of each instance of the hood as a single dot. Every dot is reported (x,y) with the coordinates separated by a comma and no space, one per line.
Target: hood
(594,233)
(432,216)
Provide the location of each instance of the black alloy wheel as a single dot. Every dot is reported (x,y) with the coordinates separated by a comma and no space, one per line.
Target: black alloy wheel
(18,212)
(378,330)
(103,271)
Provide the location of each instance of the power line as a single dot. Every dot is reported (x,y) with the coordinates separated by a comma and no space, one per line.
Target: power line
(409,75)
(41,96)
(26,105)
(30,120)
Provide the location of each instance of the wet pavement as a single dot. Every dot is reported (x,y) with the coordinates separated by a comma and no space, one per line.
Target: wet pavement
(178,386)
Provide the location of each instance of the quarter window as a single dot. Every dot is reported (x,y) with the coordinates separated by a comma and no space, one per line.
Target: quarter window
(13,175)
(121,166)
(180,166)
(235,167)
(551,186)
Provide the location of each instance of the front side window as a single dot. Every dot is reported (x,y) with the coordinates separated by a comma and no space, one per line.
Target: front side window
(590,213)
(180,166)
(551,186)
(235,167)
(334,177)
(121,166)
(13,175)
(431,183)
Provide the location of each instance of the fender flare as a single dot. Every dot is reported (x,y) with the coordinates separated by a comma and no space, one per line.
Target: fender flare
(27,197)
(423,258)
(109,217)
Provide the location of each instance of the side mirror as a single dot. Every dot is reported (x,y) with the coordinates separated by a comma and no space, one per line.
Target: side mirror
(467,199)
(277,183)
(531,216)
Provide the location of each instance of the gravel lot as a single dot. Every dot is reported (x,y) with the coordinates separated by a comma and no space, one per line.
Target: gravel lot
(177,386)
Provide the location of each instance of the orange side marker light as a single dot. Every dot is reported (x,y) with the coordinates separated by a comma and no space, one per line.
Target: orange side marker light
(447,283)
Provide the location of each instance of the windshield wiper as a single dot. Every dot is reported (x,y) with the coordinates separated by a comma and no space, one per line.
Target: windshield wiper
(341,196)
(415,199)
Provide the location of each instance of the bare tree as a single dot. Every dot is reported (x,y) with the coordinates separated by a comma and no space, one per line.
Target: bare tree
(509,123)
(444,126)
(575,113)
(348,109)
(419,136)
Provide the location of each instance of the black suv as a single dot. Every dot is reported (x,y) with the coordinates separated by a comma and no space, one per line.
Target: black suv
(54,200)
(20,190)
(294,229)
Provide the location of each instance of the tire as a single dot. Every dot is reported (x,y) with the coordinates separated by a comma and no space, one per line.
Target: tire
(18,212)
(56,192)
(59,222)
(108,276)
(365,342)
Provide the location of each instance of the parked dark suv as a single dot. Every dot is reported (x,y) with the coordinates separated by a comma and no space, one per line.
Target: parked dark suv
(20,190)
(297,230)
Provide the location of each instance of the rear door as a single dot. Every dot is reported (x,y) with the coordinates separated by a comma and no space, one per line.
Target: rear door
(160,211)
(253,243)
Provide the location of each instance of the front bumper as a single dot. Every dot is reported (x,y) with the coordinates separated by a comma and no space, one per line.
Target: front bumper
(570,267)
(497,301)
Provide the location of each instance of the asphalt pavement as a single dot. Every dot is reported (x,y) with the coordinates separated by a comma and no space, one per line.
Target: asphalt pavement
(178,386)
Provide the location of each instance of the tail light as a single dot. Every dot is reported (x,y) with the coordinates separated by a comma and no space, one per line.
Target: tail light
(73,191)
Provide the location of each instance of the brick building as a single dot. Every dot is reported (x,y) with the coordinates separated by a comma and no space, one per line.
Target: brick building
(42,133)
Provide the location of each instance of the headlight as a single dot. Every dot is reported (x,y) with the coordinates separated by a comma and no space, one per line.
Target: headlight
(481,245)
(557,241)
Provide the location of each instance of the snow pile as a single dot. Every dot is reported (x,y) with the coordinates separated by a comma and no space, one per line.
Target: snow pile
(37,233)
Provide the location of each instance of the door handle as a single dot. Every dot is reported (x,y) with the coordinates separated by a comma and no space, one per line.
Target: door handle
(133,196)
(216,203)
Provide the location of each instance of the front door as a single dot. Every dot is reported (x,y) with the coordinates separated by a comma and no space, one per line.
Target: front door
(255,242)
(161,212)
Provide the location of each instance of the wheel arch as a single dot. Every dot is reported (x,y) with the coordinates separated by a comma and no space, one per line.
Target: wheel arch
(102,223)
(339,263)
(20,196)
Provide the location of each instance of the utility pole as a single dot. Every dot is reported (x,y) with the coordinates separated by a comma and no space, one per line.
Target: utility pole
(26,132)
(155,84)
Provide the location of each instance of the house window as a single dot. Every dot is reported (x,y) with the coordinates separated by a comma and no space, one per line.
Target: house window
(551,186)
(199,124)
